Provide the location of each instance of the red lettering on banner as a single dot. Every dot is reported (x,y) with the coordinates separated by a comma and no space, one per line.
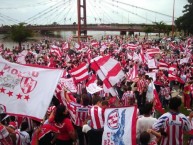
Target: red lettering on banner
(35,74)
(7,67)
(14,71)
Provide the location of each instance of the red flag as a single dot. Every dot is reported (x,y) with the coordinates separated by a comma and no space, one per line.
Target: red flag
(157,103)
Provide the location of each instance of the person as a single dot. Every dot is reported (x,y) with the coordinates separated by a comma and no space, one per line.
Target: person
(145,137)
(24,135)
(149,93)
(5,138)
(172,124)
(96,115)
(145,121)
(44,134)
(128,96)
(81,116)
(17,136)
(60,120)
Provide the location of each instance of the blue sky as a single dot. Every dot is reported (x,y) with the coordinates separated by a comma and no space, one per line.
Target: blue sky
(98,11)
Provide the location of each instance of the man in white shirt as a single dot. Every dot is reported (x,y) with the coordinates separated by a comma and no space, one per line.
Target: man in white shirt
(25,138)
(146,121)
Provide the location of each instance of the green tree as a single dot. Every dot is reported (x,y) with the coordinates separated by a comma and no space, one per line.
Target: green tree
(185,22)
(168,29)
(148,30)
(19,33)
(159,27)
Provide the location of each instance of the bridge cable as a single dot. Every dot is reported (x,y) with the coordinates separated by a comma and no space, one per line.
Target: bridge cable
(106,14)
(52,14)
(43,13)
(39,13)
(96,12)
(47,12)
(66,14)
(9,18)
(123,9)
(58,13)
(142,8)
(28,6)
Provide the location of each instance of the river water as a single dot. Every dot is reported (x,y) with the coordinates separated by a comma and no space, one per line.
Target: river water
(65,35)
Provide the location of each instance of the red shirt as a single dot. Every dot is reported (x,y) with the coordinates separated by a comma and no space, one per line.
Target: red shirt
(65,127)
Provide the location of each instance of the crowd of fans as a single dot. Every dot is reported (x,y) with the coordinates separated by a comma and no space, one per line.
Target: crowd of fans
(58,127)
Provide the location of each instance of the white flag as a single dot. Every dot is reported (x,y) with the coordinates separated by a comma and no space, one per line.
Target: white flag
(26,90)
(151,63)
(93,88)
(68,84)
(120,126)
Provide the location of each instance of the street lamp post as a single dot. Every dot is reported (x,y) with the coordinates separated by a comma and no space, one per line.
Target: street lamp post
(173,19)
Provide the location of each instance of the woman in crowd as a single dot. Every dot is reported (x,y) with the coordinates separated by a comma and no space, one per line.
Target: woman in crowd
(61,121)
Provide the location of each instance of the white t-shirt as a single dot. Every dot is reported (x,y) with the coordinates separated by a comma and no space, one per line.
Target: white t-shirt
(143,124)
(25,138)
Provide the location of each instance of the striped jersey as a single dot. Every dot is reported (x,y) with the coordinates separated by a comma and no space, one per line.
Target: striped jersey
(96,114)
(173,125)
(81,115)
(126,97)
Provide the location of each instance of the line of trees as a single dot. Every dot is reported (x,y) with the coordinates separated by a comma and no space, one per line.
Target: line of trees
(185,22)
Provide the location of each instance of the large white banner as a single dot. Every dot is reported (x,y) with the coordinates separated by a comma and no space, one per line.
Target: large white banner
(120,126)
(26,90)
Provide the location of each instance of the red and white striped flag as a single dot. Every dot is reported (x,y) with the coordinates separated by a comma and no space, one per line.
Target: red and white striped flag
(133,73)
(132,46)
(141,56)
(163,65)
(56,50)
(109,71)
(95,44)
(65,46)
(80,73)
(172,74)
(153,51)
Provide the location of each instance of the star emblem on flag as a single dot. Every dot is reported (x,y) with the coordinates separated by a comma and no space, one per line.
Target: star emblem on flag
(1,73)
(27,97)
(2,90)
(10,93)
(19,96)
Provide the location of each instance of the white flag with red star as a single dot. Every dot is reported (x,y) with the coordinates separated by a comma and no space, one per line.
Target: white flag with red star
(26,90)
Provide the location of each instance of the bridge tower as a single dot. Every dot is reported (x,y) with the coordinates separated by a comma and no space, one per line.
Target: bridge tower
(81,18)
